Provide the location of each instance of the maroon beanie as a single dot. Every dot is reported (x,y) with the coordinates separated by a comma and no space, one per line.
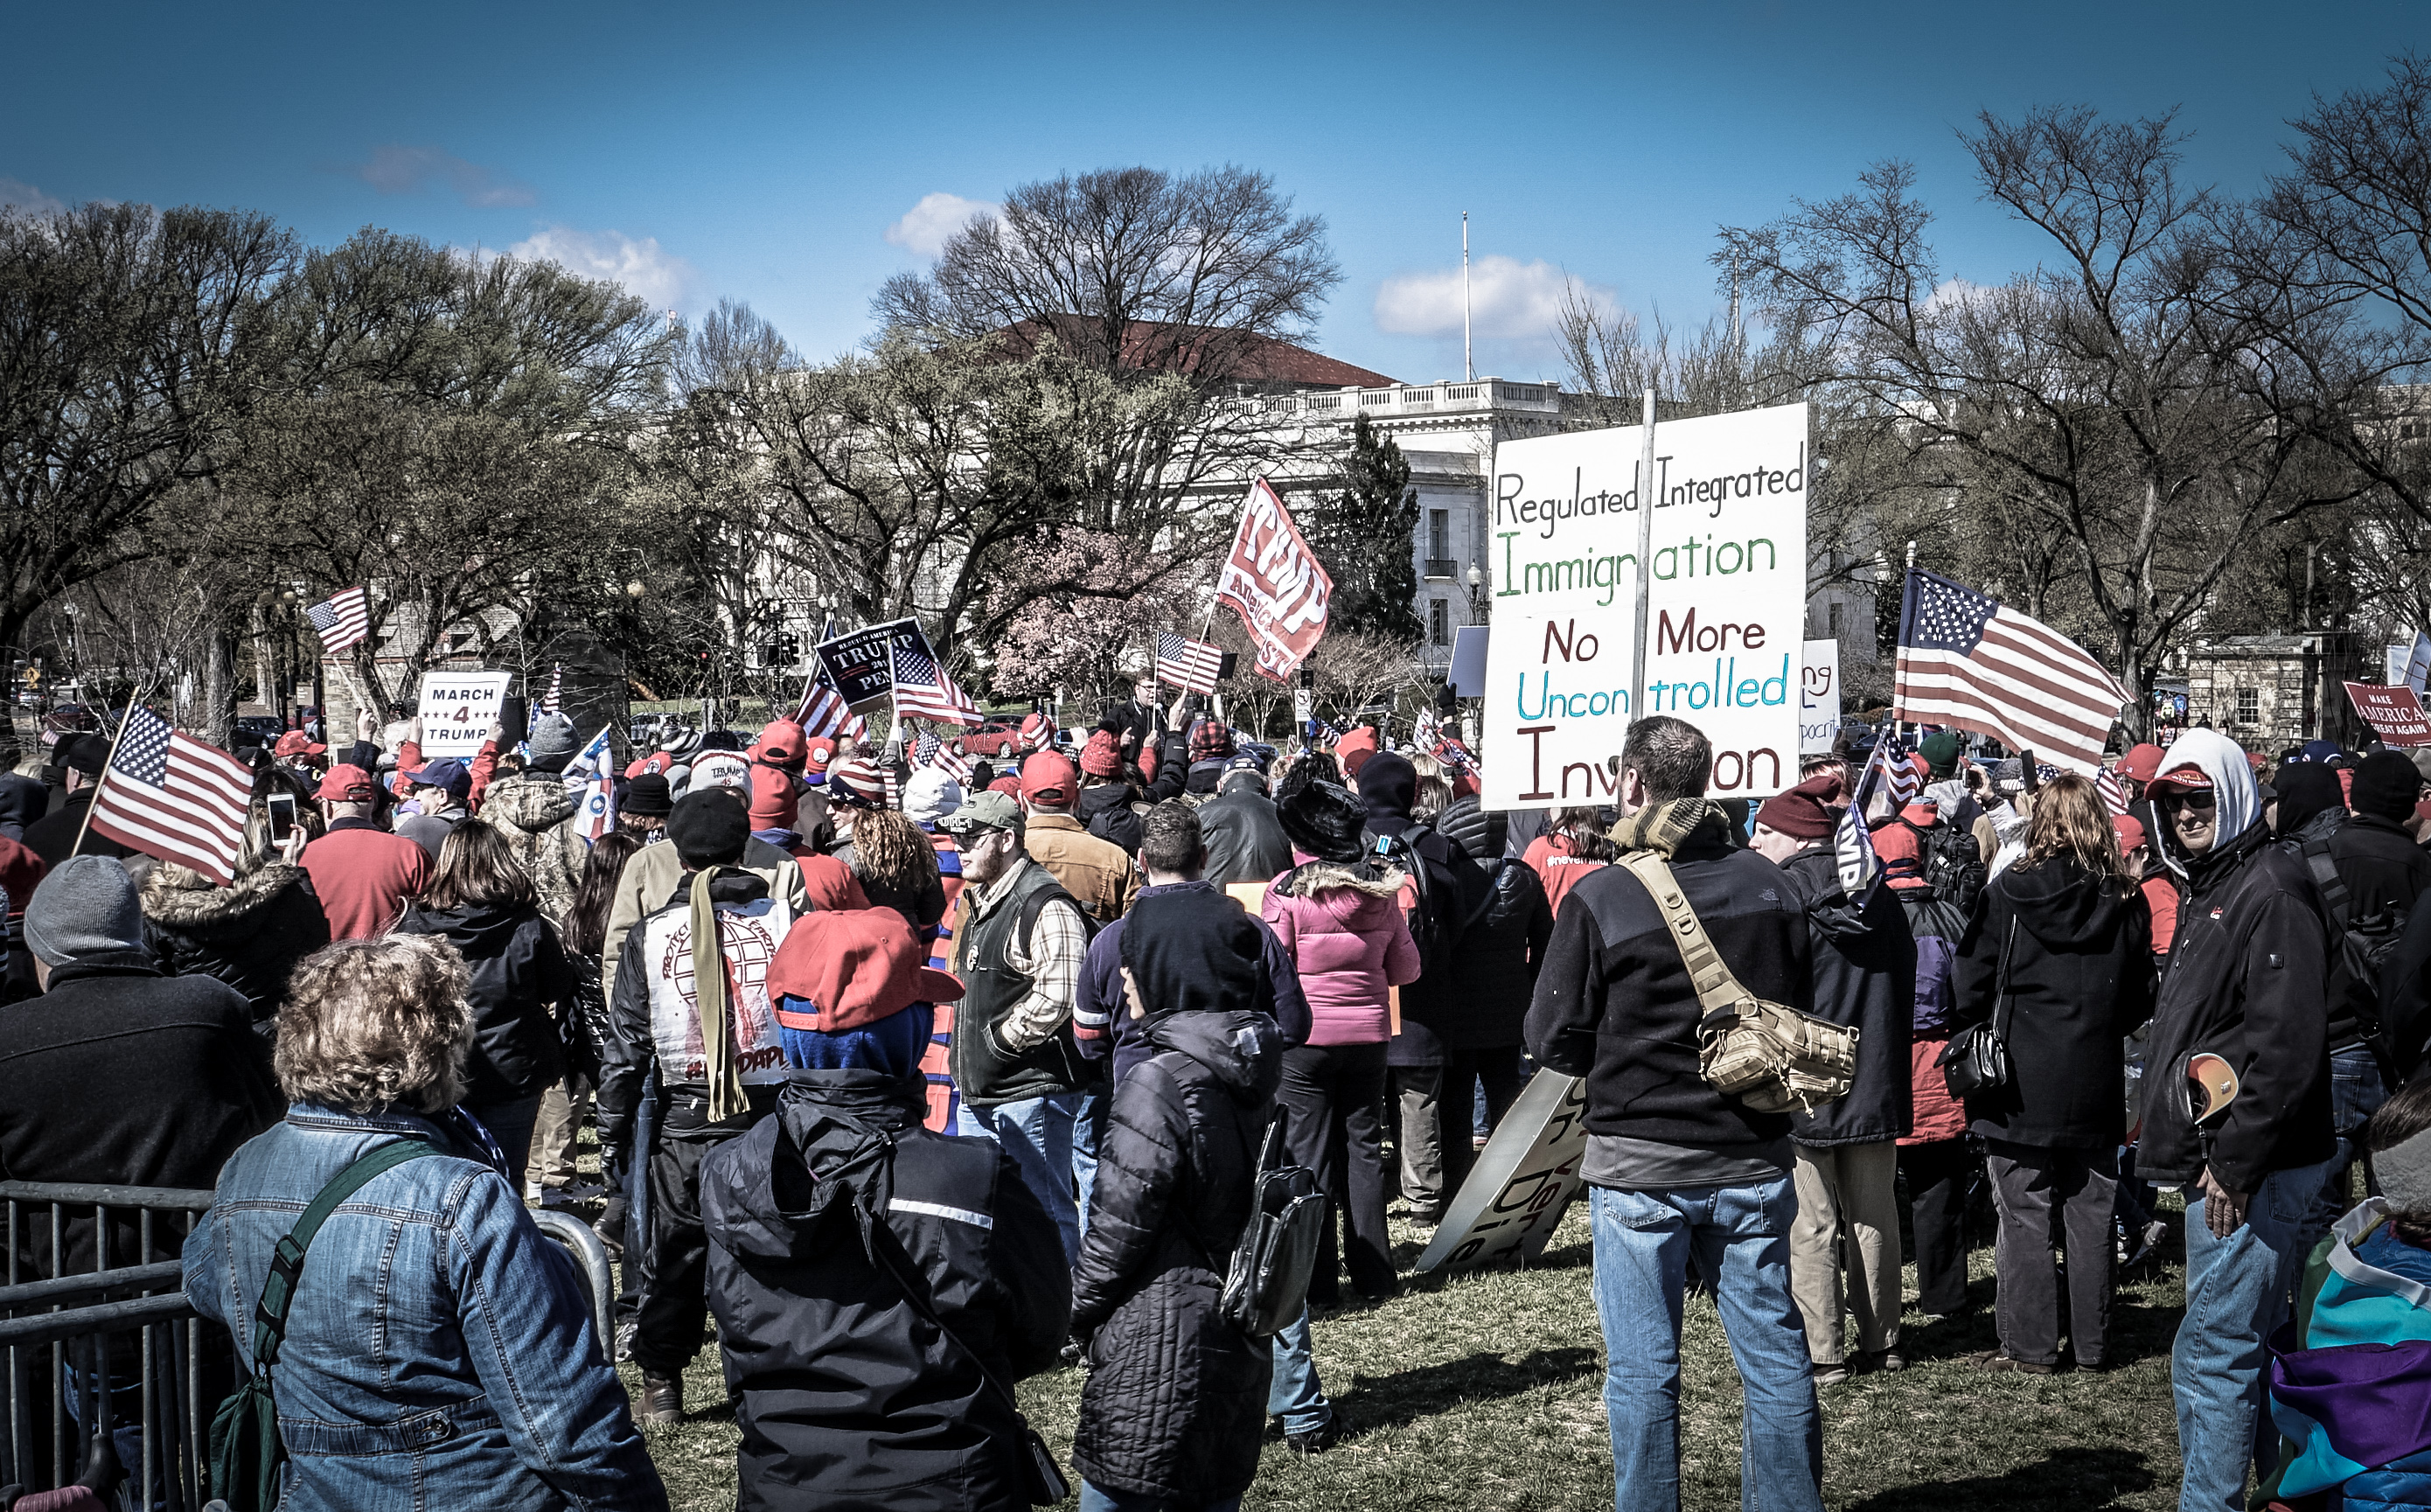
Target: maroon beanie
(1805,812)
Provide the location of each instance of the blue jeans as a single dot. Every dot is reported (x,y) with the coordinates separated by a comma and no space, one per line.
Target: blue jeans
(2356,1093)
(1088,1128)
(1296,1395)
(510,1123)
(2238,1292)
(1097,1499)
(1740,1237)
(1038,1133)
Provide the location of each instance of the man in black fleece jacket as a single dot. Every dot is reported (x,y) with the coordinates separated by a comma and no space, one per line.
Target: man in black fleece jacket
(1674,1165)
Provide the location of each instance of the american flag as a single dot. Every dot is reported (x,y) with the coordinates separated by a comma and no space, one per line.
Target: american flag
(1967,660)
(930,750)
(343,619)
(824,716)
(2113,790)
(168,795)
(1455,755)
(922,691)
(1186,664)
(1323,730)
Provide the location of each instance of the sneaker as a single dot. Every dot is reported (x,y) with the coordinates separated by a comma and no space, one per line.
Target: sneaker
(1317,1440)
(1995,1360)
(2145,1243)
(662,1399)
(1881,1360)
(1832,1375)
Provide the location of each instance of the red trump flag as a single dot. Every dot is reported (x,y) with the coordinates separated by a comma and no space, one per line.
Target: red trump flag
(1273,581)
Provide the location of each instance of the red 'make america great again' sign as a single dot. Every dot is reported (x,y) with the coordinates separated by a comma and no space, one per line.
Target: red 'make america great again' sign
(1275,583)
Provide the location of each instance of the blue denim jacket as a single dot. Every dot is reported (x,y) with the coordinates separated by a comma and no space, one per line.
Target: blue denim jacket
(439,1350)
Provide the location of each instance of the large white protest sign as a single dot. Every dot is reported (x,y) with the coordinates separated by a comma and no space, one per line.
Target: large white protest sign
(1523,1179)
(1818,701)
(458,708)
(1726,622)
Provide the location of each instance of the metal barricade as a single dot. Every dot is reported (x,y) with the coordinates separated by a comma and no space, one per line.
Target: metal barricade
(127,1305)
(591,1256)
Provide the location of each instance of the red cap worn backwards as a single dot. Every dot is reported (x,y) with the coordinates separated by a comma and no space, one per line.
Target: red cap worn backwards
(855,967)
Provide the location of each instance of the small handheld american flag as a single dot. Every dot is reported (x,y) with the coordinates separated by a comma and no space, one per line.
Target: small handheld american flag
(168,795)
(343,619)
(1186,664)
(923,691)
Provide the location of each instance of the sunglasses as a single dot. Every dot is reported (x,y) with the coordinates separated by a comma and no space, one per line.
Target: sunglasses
(2192,800)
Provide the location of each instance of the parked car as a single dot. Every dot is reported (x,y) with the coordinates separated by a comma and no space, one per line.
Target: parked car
(991,739)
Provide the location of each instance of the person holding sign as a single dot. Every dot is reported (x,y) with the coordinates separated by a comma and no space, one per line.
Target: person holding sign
(1675,1166)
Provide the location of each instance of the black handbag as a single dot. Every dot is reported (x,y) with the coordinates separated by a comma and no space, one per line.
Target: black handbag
(1265,1286)
(1977,1060)
(1043,1479)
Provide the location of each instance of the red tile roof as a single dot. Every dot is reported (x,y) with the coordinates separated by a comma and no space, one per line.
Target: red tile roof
(1262,359)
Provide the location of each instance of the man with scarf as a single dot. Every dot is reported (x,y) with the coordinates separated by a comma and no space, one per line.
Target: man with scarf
(691,1001)
(2247,982)
(840,1227)
(1675,1167)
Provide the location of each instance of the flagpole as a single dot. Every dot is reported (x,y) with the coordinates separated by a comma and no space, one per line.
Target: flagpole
(123,720)
(1646,504)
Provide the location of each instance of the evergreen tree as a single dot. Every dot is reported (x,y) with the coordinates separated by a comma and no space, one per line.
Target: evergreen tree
(1366,536)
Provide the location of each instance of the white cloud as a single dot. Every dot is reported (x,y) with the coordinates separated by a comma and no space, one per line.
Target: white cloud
(924,227)
(26,199)
(646,269)
(1507,297)
(402,170)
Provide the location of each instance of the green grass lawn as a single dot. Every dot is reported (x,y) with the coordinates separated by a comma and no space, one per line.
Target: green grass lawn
(1486,1391)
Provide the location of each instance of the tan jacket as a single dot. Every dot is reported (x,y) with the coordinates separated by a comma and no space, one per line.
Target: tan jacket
(649,879)
(1096,872)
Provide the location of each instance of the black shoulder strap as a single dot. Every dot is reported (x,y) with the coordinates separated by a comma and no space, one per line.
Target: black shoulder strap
(287,1263)
(886,1250)
(2335,900)
(2001,985)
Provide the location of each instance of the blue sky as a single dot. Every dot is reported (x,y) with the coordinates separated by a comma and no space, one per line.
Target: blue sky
(765,153)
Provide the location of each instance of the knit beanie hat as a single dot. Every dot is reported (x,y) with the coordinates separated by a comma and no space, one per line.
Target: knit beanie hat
(1211,740)
(2387,786)
(773,795)
(1009,784)
(708,828)
(1805,812)
(87,913)
(1101,757)
(551,744)
(857,784)
(1036,731)
(648,796)
(1940,753)
(719,769)
(931,795)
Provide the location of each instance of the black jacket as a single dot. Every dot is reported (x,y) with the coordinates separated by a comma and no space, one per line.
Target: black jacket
(249,935)
(1245,838)
(2246,982)
(1485,833)
(1176,1400)
(122,1075)
(1614,1002)
(53,837)
(1865,978)
(518,970)
(1105,810)
(1480,1000)
(2384,872)
(849,1398)
(2080,980)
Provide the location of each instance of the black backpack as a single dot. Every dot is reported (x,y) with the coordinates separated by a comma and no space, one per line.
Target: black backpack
(2365,946)
(1953,868)
(1444,911)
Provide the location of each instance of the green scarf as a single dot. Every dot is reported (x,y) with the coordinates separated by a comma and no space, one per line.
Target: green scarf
(726,1094)
(1664,828)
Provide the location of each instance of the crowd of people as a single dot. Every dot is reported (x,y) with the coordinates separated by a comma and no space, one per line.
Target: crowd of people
(918,1081)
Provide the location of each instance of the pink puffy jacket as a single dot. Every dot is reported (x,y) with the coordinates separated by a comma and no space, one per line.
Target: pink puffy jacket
(1350,943)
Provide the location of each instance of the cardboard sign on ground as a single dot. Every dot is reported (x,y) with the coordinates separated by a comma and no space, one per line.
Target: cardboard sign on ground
(1522,1182)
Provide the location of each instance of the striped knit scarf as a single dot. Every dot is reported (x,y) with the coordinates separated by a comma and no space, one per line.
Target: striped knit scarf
(1664,828)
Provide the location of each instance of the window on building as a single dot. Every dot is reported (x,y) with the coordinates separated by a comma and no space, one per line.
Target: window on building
(1439,622)
(1439,532)
(1833,613)
(2248,706)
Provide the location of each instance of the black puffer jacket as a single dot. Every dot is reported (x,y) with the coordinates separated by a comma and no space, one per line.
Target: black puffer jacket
(1480,1000)
(517,970)
(1176,1400)
(1245,837)
(1865,978)
(849,1398)
(249,935)
(2080,980)
(2247,982)
(1106,811)
(1482,833)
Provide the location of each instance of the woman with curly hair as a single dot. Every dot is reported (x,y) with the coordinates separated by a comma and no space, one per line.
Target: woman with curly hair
(438,1348)
(896,864)
(2058,961)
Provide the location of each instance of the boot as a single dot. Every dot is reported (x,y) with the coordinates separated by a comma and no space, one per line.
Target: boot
(662,1398)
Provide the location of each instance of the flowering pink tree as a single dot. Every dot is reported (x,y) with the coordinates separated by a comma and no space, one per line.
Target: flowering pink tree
(1093,603)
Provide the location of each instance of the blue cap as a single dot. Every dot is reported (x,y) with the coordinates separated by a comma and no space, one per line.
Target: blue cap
(450,774)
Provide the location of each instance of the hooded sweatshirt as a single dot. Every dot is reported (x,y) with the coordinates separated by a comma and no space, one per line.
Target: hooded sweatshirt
(517,970)
(536,812)
(2248,981)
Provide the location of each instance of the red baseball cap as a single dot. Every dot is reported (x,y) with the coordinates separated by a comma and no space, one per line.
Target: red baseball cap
(2140,762)
(853,967)
(1048,777)
(345,783)
(296,742)
(2187,778)
(2130,830)
(1354,748)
